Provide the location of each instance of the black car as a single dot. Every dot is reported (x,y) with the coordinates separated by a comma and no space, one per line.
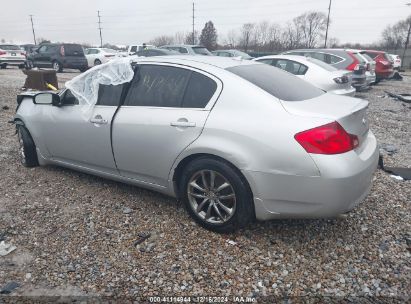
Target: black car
(58,56)
(156,52)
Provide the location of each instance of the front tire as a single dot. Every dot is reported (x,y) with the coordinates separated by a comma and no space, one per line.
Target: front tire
(97,62)
(57,66)
(216,195)
(3,66)
(27,148)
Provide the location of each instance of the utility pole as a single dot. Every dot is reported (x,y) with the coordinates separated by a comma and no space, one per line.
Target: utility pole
(193,24)
(32,27)
(407,40)
(99,27)
(328,23)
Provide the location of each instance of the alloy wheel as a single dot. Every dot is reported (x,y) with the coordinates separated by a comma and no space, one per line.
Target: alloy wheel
(211,196)
(56,66)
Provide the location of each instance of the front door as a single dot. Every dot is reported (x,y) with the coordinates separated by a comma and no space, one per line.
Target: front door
(164,112)
(79,137)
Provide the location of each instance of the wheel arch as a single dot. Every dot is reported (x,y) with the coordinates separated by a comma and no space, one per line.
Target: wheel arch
(182,164)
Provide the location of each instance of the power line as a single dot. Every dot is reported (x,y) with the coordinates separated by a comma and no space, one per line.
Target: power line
(32,28)
(328,23)
(99,27)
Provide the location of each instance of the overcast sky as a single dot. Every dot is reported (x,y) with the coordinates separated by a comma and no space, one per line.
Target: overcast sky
(136,21)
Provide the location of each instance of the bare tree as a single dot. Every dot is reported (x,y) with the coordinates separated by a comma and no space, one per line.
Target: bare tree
(180,37)
(394,36)
(189,38)
(232,39)
(162,40)
(311,26)
(246,35)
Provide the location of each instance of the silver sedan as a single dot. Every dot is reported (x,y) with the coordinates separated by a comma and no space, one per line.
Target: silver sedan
(318,73)
(235,140)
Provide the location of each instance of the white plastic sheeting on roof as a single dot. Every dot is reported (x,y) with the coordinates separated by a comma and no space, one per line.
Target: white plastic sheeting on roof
(85,86)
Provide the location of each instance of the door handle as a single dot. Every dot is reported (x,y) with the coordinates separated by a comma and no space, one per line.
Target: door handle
(98,120)
(184,124)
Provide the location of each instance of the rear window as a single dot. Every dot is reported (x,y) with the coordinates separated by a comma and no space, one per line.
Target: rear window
(73,50)
(201,51)
(9,47)
(322,64)
(277,82)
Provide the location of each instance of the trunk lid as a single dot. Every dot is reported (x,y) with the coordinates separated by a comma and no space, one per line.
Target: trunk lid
(349,112)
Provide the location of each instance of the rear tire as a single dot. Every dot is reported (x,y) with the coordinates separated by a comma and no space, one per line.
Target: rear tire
(27,148)
(57,66)
(216,196)
(97,62)
(3,66)
(29,65)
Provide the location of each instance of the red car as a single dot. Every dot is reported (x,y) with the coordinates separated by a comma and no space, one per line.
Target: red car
(383,66)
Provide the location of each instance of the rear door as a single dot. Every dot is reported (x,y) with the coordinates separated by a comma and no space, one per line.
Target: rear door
(164,111)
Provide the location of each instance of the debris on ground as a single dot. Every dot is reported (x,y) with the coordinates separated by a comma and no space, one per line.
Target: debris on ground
(398,173)
(5,248)
(9,287)
(127,210)
(401,97)
(396,76)
(5,107)
(231,242)
(389,148)
(142,237)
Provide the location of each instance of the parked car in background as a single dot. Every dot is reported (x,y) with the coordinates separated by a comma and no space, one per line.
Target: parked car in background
(396,61)
(156,52)
(341,59)
(290,150)
(96,56)
(29,48)
(58,56)
(316,72)
(134,48)
(188,49)
(383,65)
(370,67)
(232,53)
(11,54)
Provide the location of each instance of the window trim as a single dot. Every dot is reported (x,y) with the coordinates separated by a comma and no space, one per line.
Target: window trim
(210,103)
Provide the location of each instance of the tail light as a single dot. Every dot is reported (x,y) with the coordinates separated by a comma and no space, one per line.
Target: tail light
(62,52)
(327,139)
(341,80)
(3,53)
(355,66)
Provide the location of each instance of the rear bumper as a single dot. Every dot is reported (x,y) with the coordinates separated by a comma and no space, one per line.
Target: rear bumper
(344,92)
(12,61)
(75,64)
(359,81)
(345,181)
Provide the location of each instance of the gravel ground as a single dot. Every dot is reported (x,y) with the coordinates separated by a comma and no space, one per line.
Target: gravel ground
(75,233)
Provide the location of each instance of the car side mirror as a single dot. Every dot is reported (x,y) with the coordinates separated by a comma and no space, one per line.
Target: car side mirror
(47,99)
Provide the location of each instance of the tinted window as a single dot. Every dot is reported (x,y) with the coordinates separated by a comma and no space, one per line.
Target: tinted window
(69,98)
(201,51)
(199,91)
(182,50)
(73,50)
(324,65)
(290,66)
(319,56)
(277,82)
(333,59)
(133,49)
(109,95)
(9,47)
(266,61)
(372,55)
(158,86)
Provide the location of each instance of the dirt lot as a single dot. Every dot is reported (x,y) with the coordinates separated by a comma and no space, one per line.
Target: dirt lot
(75,233)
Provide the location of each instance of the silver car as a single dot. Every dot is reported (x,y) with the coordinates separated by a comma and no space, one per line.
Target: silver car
(235,140)
(316,72)
(188,49)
